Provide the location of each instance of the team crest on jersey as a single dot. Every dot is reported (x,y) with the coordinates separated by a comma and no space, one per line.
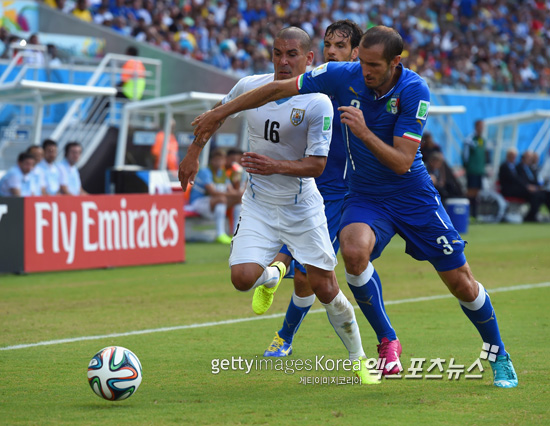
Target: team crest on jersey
(319,70)
(422,111)
(297,116)
(392,106)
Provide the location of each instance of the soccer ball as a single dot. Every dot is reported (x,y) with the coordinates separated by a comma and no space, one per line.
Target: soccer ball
(114,373)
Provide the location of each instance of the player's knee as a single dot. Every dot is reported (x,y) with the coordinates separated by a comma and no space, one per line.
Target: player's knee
(461,283)
(464,288)
(326,289)
(242,280)
(355,259)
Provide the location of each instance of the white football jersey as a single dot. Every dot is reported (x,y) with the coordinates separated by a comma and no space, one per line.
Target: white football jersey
(288,129)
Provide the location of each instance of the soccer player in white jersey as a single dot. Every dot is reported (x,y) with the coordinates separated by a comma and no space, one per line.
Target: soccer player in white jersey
(341,44)
(289,144)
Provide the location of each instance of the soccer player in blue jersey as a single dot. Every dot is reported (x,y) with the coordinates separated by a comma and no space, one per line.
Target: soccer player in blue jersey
(384,108)
(341,43)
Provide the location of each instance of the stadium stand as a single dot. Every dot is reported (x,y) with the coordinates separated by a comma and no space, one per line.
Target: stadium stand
(474,45)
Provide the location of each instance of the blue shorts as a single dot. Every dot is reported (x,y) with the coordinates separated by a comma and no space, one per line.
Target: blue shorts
(418,217)
(333,212)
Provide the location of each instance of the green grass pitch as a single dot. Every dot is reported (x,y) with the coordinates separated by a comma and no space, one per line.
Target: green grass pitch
(47,384)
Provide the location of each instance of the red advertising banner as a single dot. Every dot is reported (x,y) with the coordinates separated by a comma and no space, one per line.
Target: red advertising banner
(98,231)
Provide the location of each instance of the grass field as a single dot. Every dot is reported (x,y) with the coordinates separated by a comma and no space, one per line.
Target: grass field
(188,315)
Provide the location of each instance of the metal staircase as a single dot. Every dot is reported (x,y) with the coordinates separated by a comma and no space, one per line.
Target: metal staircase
(93,110)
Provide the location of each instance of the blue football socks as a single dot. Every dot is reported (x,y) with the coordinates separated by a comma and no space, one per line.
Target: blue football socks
(482,315)
(297,310)
(367,290)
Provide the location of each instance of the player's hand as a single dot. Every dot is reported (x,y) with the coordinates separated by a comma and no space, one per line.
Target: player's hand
(206,125)
(259,164)
(188,169)
(354,119)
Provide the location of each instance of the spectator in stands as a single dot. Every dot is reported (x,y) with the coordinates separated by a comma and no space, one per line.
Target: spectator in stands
(511,185)
(119,24)
(172,156)
(18,180)
(226,52)
(445,183)
(428,146)
(35,57)
(81,11)
(54,60)
(543,177)
(102,15)
(474,157)
(530,180)
(39,184)
(8,49)
(61,5)
(69,176)
(118,8)
(50,170)
(543,174)
(137,10)
(534,166)
(448,45)
(132,77)
(212,195)
(139,31)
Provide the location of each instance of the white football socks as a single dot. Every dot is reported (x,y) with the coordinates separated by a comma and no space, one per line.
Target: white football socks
(303,302)
(342,317)
(479,301)
(269,277)
(220,211)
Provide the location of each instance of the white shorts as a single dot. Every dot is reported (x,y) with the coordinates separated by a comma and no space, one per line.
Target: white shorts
(202,206)
(263,229)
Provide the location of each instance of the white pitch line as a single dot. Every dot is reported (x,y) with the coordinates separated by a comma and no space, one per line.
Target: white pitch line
(239,320)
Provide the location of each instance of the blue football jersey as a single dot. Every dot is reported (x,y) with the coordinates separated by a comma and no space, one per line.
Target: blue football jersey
(401,112)
(333,182)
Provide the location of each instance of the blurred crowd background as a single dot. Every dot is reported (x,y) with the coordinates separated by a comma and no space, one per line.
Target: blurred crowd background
(499,45)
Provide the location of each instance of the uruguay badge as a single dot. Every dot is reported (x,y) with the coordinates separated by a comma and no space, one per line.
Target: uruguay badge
(297,116)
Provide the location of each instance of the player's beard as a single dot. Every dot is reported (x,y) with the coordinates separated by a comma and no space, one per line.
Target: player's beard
(375,86)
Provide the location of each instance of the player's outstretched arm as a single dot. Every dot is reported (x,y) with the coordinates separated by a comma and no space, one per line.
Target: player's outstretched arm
(189,166)
(207,123)
(263,165)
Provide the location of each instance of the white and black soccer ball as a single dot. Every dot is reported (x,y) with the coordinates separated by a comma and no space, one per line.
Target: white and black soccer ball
(114,373)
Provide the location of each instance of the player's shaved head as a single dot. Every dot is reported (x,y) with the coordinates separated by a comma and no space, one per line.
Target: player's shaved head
(295,33)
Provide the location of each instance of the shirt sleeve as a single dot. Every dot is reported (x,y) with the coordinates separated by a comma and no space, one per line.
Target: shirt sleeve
(321,79)
(63,175)
(15,181)
(238,89)
(414,105)
(320,127)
